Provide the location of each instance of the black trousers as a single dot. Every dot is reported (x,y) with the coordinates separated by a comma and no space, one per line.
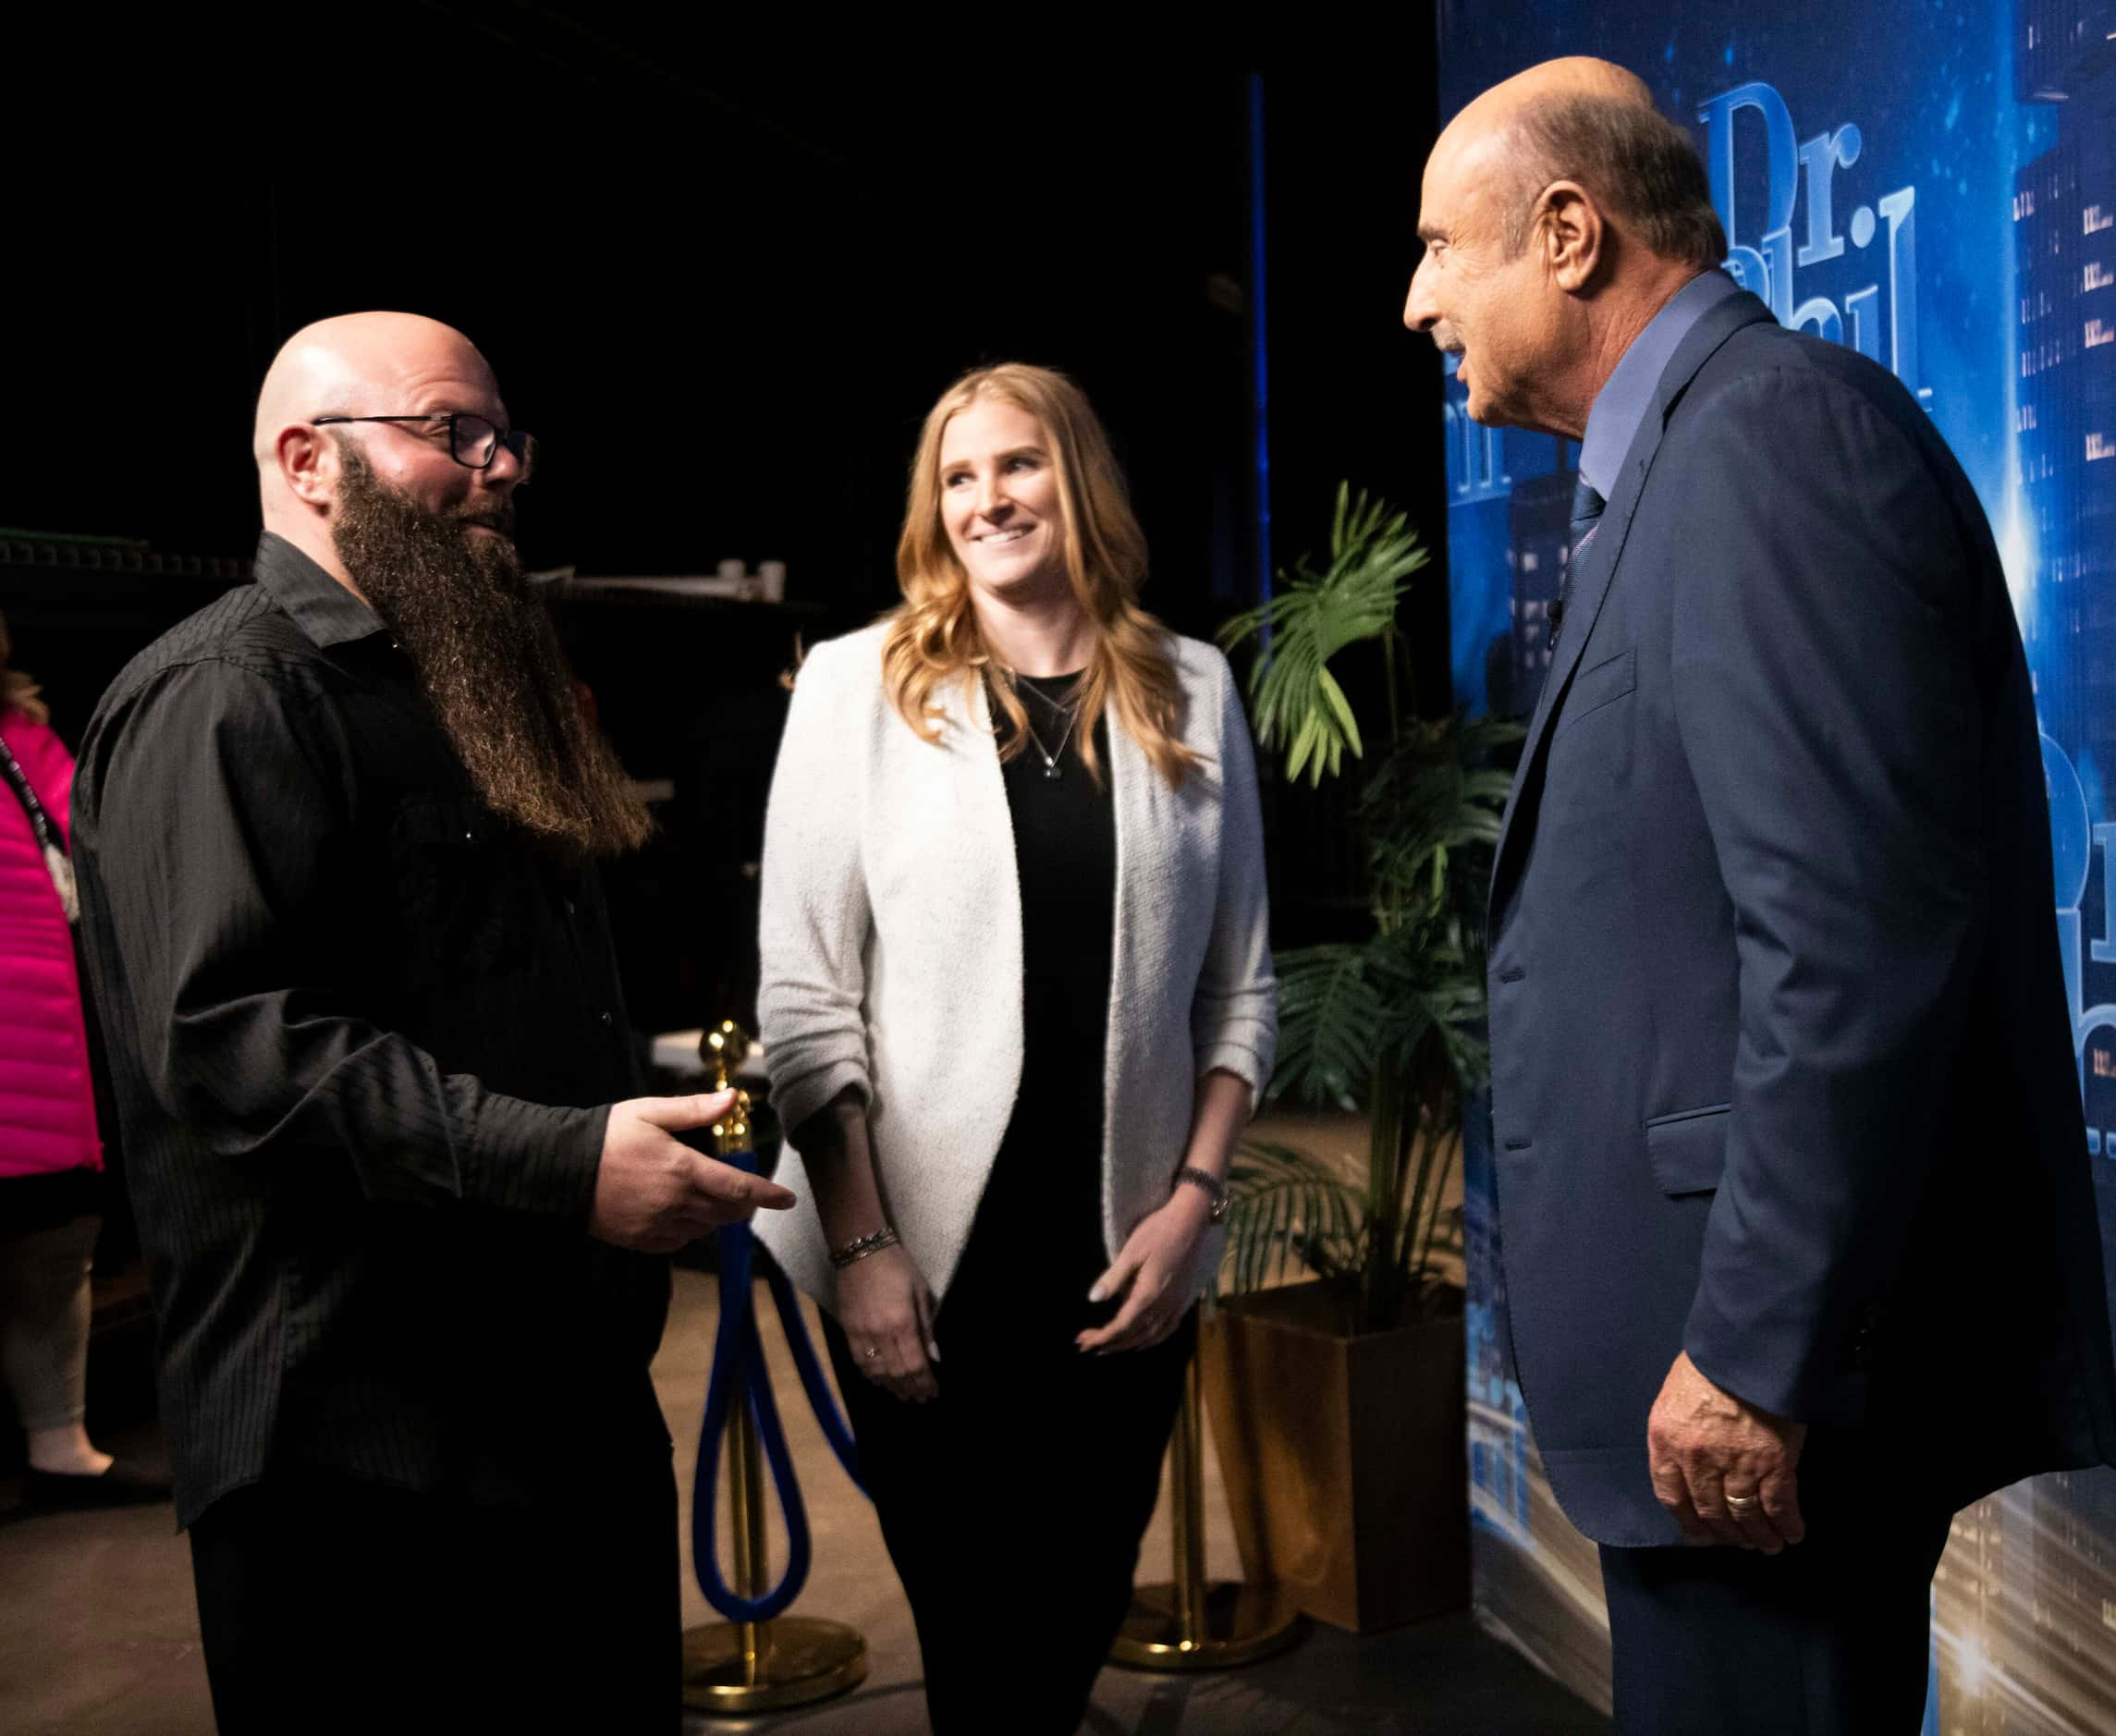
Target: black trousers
(1012,1505)
(1829,1638)
(329,1605)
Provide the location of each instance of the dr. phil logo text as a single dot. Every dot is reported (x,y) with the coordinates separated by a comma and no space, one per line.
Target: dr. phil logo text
(1762,258)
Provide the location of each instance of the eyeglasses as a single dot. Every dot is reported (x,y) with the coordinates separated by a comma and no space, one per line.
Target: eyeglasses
(473,441)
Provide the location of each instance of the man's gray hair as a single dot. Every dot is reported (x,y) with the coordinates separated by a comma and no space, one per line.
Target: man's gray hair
(1639,166)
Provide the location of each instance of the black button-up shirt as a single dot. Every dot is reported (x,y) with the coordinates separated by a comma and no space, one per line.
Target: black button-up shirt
(364,1035)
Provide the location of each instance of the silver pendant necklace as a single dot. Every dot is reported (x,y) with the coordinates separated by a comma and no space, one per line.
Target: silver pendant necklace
(1048,755)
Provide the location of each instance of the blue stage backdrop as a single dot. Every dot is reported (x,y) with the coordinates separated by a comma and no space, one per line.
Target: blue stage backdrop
(1934,183)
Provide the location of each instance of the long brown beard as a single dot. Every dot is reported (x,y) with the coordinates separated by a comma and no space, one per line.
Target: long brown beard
(488,656)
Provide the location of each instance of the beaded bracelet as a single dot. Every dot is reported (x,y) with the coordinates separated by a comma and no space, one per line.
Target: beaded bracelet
(1210,1184)
(860,1247)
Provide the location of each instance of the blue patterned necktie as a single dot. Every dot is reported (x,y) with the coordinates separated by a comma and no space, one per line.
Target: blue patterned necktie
(1586,516)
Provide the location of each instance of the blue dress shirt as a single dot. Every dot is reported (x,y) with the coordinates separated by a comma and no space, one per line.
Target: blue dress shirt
(1628,394)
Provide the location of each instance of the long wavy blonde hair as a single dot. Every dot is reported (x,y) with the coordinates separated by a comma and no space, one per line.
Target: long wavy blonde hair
(933,635)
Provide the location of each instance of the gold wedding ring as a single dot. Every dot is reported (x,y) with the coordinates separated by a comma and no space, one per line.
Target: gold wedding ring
(1741,1505)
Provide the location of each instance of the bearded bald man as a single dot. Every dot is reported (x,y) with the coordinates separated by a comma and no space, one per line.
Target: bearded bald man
(337,837)
(1799,1237)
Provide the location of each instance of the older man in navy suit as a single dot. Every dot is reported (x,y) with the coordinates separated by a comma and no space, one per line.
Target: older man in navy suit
(1799,1235)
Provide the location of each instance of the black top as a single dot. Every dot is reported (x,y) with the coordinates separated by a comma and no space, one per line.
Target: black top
(1040,1220)
(338,993)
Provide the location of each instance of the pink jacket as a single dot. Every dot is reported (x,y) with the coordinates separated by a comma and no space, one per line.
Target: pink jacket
(47,1109)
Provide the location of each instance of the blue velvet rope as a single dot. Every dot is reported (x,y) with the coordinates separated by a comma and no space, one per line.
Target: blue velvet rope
(740,1375)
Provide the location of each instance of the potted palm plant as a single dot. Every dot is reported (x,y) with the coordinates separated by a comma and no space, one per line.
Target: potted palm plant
(1338,1402)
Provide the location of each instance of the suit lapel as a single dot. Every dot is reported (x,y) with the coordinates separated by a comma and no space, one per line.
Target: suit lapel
(1590,579)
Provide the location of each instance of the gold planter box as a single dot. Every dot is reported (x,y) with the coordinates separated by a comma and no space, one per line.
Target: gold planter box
(1345,1457)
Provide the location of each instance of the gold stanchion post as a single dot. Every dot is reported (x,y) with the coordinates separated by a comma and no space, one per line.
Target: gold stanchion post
(737,1669)
(1191,1623)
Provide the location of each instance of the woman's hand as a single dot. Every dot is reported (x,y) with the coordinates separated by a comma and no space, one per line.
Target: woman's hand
(886,1312)
(1154,1263)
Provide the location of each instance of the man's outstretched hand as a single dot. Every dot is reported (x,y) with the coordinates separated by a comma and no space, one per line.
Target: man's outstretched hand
(653,1193)
(1704,1445)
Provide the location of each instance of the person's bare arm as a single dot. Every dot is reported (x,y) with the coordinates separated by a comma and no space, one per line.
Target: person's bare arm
(883,1303)
(1150,1269)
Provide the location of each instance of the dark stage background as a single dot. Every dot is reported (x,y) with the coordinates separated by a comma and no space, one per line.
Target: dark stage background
(721,275)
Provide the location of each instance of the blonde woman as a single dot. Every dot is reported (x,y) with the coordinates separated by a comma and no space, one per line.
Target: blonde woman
(1017,1004)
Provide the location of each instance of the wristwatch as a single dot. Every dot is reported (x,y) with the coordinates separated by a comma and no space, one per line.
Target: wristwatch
(1212,1184)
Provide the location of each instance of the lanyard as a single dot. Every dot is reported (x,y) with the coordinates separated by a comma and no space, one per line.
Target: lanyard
(47,835)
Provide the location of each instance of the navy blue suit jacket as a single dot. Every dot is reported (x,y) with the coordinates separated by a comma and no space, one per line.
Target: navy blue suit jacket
(1781,1070)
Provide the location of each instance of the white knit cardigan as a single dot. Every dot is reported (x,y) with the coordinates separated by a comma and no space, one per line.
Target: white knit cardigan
(891,940)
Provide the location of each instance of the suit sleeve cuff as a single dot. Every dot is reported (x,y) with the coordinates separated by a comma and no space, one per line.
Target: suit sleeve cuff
(1786,1384)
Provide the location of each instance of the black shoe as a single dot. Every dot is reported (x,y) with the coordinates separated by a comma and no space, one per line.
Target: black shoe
(125,1483)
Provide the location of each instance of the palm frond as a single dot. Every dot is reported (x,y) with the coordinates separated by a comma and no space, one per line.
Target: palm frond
(1329,1009)
(1297,704)
(1430,993)
(1393,1026)
(1288,1208)
(1431,810)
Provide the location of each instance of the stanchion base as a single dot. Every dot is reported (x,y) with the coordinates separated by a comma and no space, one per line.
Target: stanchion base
(800,1659)
(1242,1623)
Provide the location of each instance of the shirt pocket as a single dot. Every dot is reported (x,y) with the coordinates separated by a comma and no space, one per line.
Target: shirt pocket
(455,885)
(1688,1149)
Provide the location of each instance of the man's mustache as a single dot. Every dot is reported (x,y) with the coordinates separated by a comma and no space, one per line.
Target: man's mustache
(500,518)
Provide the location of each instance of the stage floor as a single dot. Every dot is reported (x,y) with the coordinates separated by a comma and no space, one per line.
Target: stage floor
(98,1632)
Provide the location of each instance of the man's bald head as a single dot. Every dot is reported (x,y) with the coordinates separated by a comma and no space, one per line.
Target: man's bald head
(1561,210)
(360,364)
(398,365)
(1592,122)
(1553,82)
(327,367)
